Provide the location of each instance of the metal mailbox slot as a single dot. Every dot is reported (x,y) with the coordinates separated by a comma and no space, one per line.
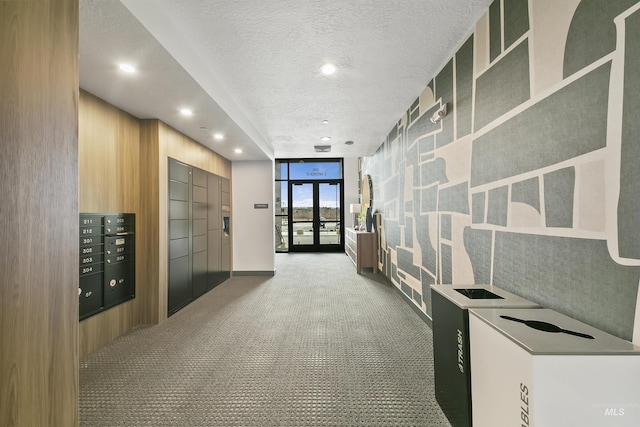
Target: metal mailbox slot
(118,283)
(90,294)
(106,262)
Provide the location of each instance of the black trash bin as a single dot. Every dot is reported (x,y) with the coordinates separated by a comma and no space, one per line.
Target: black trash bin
(452,370)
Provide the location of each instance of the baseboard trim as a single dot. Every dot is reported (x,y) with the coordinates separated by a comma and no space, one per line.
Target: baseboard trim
(426,319)
(254,273)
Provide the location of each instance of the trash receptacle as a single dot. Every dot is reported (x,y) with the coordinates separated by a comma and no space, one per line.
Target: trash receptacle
(542,368)
(452,367)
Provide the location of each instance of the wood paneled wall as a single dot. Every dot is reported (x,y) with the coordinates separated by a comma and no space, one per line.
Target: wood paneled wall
(159,142)
(147,240)
(109,151)
(39,213)
(123,168)
(109,182)
(188,151)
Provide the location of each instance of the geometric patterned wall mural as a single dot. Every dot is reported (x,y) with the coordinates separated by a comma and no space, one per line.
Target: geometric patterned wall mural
(532,180)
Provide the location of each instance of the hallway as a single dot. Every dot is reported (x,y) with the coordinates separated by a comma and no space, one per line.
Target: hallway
(315,345)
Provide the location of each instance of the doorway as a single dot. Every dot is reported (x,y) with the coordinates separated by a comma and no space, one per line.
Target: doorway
(309,195)
(315,212)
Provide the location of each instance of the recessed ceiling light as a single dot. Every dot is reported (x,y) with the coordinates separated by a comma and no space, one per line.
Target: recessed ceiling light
(237,151)
(326,138)
(218,136)
(328,69)
(127,68)
(186,112)
(325,122)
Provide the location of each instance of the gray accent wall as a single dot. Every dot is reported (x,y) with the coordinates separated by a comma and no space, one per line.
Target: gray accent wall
(541,137)
(464,87)
(566,124)
(495,30)
(592,33)
(516,20)
(574,276)
(628,206)
(444,92)
(502,87)
(558,197)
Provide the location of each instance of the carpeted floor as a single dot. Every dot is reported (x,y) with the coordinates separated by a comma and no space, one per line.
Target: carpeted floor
(315,345)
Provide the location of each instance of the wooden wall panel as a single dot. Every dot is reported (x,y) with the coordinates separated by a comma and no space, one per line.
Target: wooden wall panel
(163,218)
(39,213)
(109,152)
(148,296)
(186,150)
(180,147)
(99,330)
(123,168)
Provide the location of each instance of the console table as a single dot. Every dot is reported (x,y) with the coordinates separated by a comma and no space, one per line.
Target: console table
(361,247)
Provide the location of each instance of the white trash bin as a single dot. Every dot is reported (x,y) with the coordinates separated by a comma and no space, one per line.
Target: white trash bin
(541,368)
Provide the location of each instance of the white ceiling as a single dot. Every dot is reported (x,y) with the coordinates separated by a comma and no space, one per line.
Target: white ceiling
(251,68)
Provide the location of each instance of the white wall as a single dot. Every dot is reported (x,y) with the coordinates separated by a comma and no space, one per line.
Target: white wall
(253,229)
(350,172)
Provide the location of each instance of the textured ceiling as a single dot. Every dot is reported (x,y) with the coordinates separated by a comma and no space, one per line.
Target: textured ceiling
(251,68)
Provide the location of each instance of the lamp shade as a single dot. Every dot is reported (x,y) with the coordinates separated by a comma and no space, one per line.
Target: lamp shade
(355,208)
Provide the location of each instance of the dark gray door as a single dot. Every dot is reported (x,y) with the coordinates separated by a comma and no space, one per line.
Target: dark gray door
(199,233)
(180,286)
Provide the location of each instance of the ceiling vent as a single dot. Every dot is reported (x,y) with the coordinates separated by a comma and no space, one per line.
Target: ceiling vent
(322,148)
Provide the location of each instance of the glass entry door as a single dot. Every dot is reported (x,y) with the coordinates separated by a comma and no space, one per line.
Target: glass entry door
(315,212)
